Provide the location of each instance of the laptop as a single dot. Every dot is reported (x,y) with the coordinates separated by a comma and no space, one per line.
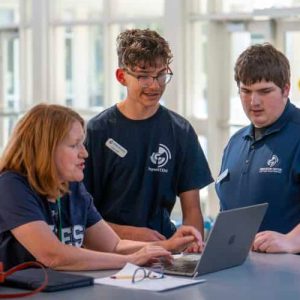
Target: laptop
(228,244)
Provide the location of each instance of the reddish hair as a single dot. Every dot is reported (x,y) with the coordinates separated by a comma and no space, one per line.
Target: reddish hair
(30,150)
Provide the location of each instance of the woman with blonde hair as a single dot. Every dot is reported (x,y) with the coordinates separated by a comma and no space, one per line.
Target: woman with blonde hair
(47,215)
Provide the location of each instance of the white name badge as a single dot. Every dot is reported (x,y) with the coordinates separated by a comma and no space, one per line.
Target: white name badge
(116,147)
(222,176)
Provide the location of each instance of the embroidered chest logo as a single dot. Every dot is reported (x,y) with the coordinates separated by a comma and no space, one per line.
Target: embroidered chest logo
(160,159)
(272,163)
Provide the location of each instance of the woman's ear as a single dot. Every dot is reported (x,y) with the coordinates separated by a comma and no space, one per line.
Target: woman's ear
(120,76)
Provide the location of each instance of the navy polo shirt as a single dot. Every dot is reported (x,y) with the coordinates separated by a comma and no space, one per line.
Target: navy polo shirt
(265,170)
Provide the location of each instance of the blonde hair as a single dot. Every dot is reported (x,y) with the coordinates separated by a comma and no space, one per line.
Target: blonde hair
(30,150)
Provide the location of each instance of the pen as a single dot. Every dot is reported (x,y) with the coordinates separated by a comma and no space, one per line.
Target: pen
(121,276)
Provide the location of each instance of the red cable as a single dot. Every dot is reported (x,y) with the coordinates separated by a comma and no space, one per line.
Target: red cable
(19,267)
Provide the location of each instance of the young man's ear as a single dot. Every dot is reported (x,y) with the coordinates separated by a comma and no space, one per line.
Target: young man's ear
(120,76)
(286,90)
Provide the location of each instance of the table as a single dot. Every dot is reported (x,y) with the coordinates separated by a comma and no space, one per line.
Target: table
(262,276)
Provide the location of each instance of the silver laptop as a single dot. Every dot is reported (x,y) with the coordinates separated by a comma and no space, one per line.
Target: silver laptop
(228,243)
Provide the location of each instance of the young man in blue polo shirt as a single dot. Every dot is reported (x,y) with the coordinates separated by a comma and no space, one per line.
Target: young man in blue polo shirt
(261,162)
(141,154)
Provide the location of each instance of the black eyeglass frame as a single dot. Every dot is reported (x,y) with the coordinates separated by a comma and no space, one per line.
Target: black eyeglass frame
(157,273)
(168,76)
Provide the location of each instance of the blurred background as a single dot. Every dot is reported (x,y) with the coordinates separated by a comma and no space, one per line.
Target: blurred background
(63,51)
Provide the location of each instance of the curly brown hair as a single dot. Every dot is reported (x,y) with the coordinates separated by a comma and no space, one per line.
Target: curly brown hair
(142,47)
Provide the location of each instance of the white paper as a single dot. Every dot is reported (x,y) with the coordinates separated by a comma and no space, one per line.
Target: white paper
(158,285)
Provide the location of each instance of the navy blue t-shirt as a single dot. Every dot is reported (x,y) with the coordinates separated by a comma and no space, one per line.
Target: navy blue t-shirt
(265,170)
(136,168)
(19,205)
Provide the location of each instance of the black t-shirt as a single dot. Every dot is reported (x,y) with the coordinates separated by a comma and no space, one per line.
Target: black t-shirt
(136,168)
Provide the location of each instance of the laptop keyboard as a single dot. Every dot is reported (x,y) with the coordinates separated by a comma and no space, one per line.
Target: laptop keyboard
(184,264)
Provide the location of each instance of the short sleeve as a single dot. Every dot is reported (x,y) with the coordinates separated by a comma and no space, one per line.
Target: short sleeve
(92,214)
(18,203)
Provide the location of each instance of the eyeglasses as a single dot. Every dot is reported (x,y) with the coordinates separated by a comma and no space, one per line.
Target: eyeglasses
(147,80)
(142,273)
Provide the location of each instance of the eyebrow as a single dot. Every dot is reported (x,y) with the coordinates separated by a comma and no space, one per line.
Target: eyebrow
(258,90)
(148,72)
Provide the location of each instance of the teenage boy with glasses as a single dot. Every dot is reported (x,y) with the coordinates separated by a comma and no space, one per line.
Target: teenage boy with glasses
(142,155)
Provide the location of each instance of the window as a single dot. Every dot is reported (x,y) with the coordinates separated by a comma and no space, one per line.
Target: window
(136,9)
(292,47)
(79,76)
(78,72)
(67,54)
(9,68)
(229,6)
(77,10)
(197,71)
(84,53)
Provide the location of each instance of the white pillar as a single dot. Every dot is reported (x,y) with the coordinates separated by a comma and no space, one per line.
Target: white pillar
(40,67)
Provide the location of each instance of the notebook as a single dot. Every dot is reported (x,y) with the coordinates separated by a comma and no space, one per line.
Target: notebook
(228,243)
(57,281)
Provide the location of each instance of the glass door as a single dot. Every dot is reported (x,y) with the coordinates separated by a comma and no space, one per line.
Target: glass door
(289,36)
